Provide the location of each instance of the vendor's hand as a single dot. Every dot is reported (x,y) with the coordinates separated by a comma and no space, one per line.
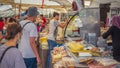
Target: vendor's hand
(38,61)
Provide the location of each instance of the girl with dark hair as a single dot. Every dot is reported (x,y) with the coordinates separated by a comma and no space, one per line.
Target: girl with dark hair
(10,56)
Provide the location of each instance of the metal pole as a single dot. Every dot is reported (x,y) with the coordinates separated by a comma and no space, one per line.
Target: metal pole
(20,8)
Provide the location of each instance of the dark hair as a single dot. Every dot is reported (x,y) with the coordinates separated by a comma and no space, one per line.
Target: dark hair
(1,19)
(41,15)
(55,14)
(6,18)
(12,20)
(12,30)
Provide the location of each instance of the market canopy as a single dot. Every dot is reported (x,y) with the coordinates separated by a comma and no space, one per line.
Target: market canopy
(55,4)
(38,3)
(59,5)
(6,10)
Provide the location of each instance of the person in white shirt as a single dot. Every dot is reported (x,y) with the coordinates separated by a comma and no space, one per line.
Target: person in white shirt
(53,33)
(27,44)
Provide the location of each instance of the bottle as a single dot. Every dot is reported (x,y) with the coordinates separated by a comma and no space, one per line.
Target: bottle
(4,31)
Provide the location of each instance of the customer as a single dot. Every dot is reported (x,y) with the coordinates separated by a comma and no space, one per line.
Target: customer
(7,21)
(114,31)
(12,57)
(52,34)
(1,23)
(43,21)
(27,44)
(38,23)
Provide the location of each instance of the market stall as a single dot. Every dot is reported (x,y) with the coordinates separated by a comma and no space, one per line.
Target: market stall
(84,48)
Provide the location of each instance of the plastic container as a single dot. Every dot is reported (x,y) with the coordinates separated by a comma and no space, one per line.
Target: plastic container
(43,39)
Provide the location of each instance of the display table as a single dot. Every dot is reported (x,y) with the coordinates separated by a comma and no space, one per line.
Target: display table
(61,61)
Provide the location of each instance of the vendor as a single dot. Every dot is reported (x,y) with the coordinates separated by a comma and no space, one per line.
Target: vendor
(114,31)
(53,33)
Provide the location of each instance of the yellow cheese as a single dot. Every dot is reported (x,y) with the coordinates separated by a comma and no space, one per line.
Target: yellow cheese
(76,47)
(43,39)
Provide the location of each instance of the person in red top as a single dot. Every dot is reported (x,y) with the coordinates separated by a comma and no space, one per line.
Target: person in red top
(44,21)
(1,23)
(1,28)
